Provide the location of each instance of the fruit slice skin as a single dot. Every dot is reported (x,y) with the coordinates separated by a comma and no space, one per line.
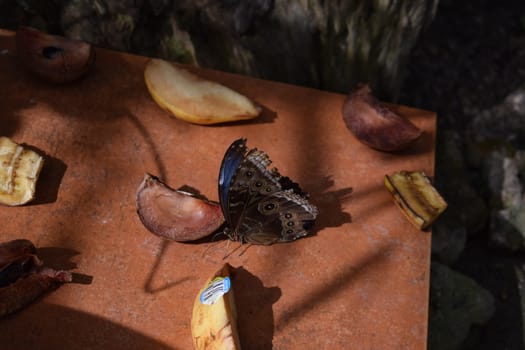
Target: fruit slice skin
(374,124)
(194,99)
(174,214)
(17,258)
(19,171)
(214,327)
(416,197)
(23,276)
(54,58)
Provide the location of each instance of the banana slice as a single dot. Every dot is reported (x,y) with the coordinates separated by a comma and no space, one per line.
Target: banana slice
(418,199)
(19,170)
(214,319)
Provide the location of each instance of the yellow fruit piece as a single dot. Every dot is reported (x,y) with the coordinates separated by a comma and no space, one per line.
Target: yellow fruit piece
(19,170)
(418,199)
(194,99)
(214,318)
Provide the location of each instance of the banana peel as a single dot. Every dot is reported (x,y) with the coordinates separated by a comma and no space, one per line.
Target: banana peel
(214,317)
(417,198)
(19,171)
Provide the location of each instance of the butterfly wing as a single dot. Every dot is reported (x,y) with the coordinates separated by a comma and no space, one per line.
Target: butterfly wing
(260,205)
(283,216)
(250,184)
(230,163)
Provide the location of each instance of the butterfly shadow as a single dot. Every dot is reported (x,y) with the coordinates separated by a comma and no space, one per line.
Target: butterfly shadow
(254,304)
(330,204)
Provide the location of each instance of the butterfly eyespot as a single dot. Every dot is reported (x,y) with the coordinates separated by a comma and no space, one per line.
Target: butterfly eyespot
(290,223)
(288,215)
(268,189)
(258,184)
(249,173)
(289,231)
(269,206)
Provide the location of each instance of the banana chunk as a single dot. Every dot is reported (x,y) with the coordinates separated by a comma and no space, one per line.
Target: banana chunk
(214,318)
(19,170)
(418,199)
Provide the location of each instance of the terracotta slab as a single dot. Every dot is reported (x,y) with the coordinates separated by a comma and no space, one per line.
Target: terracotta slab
(360,283)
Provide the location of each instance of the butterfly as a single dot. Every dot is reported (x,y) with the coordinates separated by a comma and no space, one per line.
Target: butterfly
(259,205)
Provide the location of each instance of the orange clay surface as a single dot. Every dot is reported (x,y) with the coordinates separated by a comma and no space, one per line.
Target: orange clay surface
(360,282)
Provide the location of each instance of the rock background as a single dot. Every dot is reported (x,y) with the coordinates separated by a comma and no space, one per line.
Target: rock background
(330,45)
(468,66)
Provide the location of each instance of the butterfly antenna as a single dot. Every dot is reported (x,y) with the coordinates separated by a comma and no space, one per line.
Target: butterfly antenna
(213,240)
(245,249)
(214,245)
(218,234)
(230,253)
